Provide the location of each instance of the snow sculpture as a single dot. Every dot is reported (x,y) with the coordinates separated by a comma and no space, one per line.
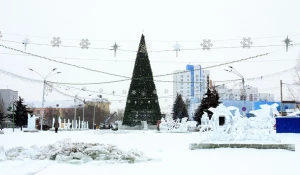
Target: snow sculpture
(223,126)
(174,125)
(31,122)
(144,125)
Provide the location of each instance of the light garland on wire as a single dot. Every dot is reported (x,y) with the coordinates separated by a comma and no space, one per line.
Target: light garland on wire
(20,77)
(49,59)
(93,70)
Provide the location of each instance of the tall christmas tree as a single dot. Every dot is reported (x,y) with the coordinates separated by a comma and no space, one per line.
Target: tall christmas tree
(142,101)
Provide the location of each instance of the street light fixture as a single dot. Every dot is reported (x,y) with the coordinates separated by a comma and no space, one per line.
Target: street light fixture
(234,71)
(44,88)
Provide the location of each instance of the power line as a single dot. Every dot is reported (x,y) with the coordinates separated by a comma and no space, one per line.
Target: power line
(152,61)
(110,40)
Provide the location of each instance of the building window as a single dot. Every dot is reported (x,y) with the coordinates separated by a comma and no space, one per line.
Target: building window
(181,76)
(197,80)
(187,76)
(197,87)
(197,76)
(181,80)
(188,79)
(181,83)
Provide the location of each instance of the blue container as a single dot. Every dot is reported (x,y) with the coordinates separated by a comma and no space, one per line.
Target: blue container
(288,125)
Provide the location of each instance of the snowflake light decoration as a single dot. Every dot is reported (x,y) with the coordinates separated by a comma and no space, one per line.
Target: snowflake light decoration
(143,49)
(0,35)
(177,48)
(133,92)
(56,41)
(115,48)
(246,42)
(206,44)
(287,42)
(84,44)
(25,42)
(124,91)
(128,101)
(154,92)
(166,91)
(156,101)
(143,93)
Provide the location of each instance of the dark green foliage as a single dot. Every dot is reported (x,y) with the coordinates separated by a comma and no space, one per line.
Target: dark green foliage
(21,113)
(142,101)
(1,119)
(210,99)
(179,108)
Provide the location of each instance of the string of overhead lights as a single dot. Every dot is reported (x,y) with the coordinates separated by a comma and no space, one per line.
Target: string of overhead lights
(206,44)
(120,100)
(128,78)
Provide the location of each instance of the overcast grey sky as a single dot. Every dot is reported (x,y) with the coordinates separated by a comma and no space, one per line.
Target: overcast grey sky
(163,23)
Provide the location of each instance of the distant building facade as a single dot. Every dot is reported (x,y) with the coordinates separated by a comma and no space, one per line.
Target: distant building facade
(236,94)
(6,97)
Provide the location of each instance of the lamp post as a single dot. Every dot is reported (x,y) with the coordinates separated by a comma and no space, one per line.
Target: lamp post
(44,89)
(234,71)
(12,109)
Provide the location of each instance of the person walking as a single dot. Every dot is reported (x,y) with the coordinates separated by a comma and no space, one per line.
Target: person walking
(56,125)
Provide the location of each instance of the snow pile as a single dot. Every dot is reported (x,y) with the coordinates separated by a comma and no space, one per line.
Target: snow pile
(74,153)
(100,132)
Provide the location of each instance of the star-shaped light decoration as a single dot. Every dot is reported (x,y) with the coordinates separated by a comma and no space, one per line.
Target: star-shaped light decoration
(133,92)
(246,42)
(25,42)
(143,49)
(154,92)
(206,44)
(84,44)
(287,42)
(156,101)
(115,48)
(128,101)
(56,41)
(176,48)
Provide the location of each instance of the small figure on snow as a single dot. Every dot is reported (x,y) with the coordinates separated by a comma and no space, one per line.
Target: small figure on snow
(56,125)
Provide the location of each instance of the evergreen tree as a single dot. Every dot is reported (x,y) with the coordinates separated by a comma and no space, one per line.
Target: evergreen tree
(179,108)
(21,113)
(2,118)
(142,101)
(210,99)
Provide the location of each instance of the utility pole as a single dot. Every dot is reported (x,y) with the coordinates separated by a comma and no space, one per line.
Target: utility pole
(43,102)
(94,117)
(281,105)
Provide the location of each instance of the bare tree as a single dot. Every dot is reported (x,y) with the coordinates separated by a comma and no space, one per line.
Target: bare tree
(120,114)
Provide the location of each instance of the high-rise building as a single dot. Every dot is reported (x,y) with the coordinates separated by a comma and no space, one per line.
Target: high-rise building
(191,84)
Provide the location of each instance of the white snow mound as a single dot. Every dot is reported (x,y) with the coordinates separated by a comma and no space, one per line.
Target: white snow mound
(74,153)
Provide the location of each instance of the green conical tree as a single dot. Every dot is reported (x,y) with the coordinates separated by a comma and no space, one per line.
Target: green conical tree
(210,99)
(21,113)
(142,101)
(179,108)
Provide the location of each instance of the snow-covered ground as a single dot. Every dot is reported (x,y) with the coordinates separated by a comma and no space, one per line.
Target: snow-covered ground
(169,153)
